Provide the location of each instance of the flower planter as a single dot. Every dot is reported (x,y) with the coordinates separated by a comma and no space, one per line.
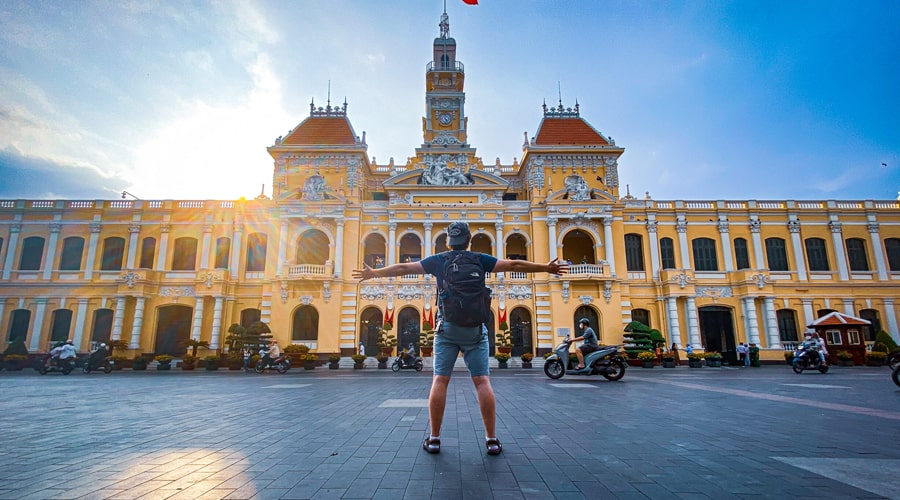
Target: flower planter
(668,364)
(714,363)
(845,362)
(526,364)
(382,365)
(426,351)
(359,366)
(648,364)
(502,365)
(334,366)
(188,366)
(212,366)
(163,366)
(695,364)
(507,350)
(309,365)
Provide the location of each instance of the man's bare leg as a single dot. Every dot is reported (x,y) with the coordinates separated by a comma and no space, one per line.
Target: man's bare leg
(437,400)
(486,403)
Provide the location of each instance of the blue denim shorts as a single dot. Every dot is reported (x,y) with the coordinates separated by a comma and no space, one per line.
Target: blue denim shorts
(450,340)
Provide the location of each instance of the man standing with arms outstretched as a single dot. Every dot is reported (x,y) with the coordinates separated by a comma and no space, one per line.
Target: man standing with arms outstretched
(456,330)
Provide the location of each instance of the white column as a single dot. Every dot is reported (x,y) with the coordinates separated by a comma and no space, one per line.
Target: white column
(282,247)
(725,238)
(198,318)
(135,230)
(757,243)
(551,238)
(891,319)
(746,321)
(753,333)
(339,250)
(37,329)
(235,250)
(608,245)
(217,324)
(693,324)
(799,261)
(118,318)
(848,307)
(428,226)
(838,241)
(654,247)
(2,307)
(877,249)
(137,324)
(674,328)
(11,247)
(808,313)
(498,239)
(204,249)
(51,250)
(772,336)
(681,227)
(163,248)
(81,317)
(92,251)
(392,243)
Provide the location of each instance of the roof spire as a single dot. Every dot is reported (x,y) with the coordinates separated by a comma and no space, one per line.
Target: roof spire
(445,22)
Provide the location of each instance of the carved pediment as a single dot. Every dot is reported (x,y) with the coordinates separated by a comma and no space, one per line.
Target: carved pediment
(412,179)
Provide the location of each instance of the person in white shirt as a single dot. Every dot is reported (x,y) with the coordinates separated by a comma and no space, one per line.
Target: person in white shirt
(273,353)
(61,352)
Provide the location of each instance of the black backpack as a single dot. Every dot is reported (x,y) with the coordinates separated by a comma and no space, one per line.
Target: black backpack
(465,301)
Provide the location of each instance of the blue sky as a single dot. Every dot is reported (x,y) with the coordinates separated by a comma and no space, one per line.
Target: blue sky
(711,100)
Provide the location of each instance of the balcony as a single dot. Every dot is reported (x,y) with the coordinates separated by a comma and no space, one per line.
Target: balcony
(299,270)
(455,66)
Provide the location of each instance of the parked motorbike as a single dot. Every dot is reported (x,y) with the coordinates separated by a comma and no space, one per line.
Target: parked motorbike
(407,361)
(895,375)
(894,360)
(807,359)
(607,361)
(98,360)
(57,365)
(281,364)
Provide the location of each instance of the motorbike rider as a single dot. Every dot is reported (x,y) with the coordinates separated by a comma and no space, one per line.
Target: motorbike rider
(61,352)
(272,354)
(98,355)
(810,345)
(409,355)
(820,347)
(591,342)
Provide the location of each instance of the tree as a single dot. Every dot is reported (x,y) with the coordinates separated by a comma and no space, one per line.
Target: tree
(257,336)
(637,339)
(116,344)
(194,344)
(235,338)
(884,337)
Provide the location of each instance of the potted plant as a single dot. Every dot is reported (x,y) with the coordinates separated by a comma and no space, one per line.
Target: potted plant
(502,358)
(844,358)
(188,362)
(118,362)
(504,338)
(875,358)
(386,341)
(647,358)
(212,362)
(426,339)
(309,361)
(235,360)
(164,362)
(15,362)
(194,344)
(382,359)
(789,357)
(713,359)
(668,358)
(334,361)
(526,359)
(695,360)
(139,363)
(297,353)
(359,361)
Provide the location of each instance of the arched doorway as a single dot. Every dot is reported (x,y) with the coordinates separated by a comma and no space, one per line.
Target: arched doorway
(592,316)
(407,328)
(520,328)
(578,247)
(173,328)
(306,326)
(717,331)
(312,247)
(369,324)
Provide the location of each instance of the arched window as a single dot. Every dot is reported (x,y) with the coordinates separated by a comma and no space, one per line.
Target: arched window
(223,249)
(871,330)
(185,255)
(60,324)
(741,255)
(113,253)
(705,258)
(411,248)
(256,252)
(634,253)
(250,316)
(816,254)
(592,316)
(18,325)
(32,254)
(776,254)
(891,247)
(480,243)
(374,251)
(578,247)
(516,247)
(787,325)
(856,254)
(306,324)
(641,315)
(103,320)
(148,251)
(73,249)
(313,248)
(667,253)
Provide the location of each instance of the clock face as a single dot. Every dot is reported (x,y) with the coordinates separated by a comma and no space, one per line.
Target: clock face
(445,119)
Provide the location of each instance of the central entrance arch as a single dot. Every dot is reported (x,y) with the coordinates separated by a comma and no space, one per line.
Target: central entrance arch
(173,328)
(717,331)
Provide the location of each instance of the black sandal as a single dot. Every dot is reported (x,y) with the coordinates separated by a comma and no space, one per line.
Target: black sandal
(493,446)
(432,445)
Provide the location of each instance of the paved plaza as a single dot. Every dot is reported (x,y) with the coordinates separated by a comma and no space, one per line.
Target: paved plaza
(659,433)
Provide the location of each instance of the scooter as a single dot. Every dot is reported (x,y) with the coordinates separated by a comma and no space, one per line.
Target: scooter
(607,361)
(894,360)
(57,365)
(281,365)
(403,363)
(808,359)
(98,360)
(895,376)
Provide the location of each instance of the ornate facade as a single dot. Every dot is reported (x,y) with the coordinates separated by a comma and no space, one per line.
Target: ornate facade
(710,273)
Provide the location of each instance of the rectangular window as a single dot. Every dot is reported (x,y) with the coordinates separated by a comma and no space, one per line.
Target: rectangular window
(667,253)
(185,256)
(705,258)
(787,325)
(891,246)
(776,254)
(856,254)
(816,254)
(113,253)
(853,337)
(148,249)
(32,254)
(223,249)
(741,255)
(833,337)
(71,255)
(634,253)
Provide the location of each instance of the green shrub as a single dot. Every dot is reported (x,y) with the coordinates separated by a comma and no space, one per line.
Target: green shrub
(502,357)
(358,358)
(17,347)
(886,339)
(334,358)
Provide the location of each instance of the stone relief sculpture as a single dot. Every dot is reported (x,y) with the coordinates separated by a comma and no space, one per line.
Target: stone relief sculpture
(439,173)
(314,189)
(577,188)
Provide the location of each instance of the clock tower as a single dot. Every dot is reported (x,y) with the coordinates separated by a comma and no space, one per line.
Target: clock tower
(444,123)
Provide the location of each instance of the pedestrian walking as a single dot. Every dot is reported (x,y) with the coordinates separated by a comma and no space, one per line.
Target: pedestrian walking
(675,353)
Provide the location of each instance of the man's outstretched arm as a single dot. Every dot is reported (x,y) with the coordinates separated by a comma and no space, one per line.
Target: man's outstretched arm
(400,269)
(524,266)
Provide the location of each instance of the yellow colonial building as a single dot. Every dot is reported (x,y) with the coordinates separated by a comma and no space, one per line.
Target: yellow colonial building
(710,273)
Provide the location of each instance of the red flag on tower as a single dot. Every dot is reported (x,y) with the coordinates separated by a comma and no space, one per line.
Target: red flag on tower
(471,2)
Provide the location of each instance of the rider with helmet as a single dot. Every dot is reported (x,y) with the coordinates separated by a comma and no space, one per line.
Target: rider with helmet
(61,352)
(591,342)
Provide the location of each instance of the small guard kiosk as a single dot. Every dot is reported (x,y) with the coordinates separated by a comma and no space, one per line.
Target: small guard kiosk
(842,332)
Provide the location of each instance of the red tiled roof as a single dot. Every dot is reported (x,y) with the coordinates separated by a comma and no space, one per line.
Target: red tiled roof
(836,318)
(322,131)
(566,132)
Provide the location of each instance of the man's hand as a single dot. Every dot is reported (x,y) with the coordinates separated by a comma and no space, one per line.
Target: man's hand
(556,267)
(366,273)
